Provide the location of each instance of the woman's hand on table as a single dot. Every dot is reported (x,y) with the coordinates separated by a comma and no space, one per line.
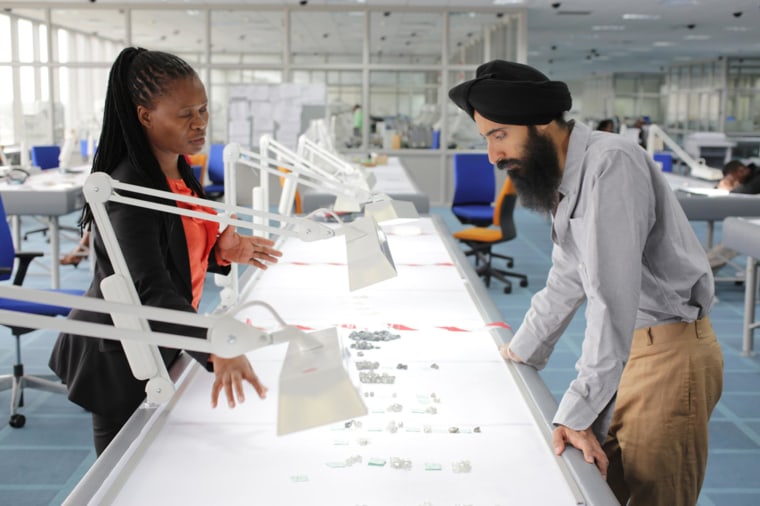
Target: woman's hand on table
(230,373)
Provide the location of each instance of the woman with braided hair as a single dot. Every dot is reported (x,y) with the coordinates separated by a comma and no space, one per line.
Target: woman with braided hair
(156,110)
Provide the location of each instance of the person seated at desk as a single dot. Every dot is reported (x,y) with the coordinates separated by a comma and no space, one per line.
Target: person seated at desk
(606,125)
(737,178)
(156,108)
(80,251)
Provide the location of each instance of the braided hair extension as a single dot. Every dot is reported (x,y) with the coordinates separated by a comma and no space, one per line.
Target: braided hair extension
(137,77)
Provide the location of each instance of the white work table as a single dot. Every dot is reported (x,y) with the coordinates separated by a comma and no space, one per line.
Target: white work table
(702,202)
(392,179)
(743,235)
(460,404)
(49,193)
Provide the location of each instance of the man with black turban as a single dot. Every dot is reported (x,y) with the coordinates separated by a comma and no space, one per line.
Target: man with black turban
(651,370)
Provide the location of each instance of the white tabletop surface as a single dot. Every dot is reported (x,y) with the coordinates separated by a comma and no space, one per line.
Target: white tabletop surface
(452,377)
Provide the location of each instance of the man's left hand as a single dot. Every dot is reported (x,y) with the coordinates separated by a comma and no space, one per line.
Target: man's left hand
(585,441)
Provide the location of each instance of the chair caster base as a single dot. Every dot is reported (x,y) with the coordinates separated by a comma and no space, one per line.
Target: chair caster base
(523,283)
(17,421)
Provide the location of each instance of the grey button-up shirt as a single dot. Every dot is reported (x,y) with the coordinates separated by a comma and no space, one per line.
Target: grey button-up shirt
(623,245)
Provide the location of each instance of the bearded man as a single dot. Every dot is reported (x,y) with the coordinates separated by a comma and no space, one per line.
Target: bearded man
(651,369)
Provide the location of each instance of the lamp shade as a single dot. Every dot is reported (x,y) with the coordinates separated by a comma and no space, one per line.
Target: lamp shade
(315,387)
(391,212)
(369,257)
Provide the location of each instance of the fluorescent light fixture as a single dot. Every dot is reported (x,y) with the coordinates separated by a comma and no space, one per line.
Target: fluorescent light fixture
(508,2)
(608,28)
(673,3)
(641,17)
(696,37)
(663,43)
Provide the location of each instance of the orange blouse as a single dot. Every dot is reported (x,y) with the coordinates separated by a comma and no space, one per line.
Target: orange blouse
(201,236)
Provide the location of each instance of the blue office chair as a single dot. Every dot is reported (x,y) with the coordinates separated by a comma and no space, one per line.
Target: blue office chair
(45,157)
(83,145)
(474,189)
(18,380)
(215,171)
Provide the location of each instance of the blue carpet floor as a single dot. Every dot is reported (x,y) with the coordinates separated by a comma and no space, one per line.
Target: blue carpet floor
(41,462)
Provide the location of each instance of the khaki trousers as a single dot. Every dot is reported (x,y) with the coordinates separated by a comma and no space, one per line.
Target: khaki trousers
(657,442)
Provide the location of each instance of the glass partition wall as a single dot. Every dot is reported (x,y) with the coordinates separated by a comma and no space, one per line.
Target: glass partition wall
(385,72)
(394,64)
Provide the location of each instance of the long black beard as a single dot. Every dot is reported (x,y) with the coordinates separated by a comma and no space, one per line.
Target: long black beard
(537,174)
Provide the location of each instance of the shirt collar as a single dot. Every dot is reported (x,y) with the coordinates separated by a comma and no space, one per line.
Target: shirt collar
(576,150)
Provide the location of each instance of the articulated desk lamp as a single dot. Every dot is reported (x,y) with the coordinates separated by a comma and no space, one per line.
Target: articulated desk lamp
(368,255)
(319,131)
(697,168)
(309,396)
(314,385)
(351,194)
(334,163)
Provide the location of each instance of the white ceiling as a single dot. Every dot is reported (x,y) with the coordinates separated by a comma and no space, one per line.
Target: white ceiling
(570,39)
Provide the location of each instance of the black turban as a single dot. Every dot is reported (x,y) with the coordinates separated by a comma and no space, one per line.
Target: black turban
(512,94)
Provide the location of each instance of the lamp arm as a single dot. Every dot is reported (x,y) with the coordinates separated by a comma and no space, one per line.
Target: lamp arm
(100,187)
(306,146)
(225,336)
(303,173)
(267,144)
(145,359)
(697,168)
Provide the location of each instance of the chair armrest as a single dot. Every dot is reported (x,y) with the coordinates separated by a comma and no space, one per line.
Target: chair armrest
(24,259)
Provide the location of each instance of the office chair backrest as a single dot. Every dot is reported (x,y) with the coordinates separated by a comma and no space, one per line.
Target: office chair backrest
(199,163)
(7,251)
(504,211)
(474,179)
(215,167)
(84,148)
(45,157)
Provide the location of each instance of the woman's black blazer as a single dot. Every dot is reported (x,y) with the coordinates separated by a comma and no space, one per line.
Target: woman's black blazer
(96,371)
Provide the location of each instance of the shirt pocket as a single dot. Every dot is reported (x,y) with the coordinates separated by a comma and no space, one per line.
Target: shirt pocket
(577,235)
(576,240)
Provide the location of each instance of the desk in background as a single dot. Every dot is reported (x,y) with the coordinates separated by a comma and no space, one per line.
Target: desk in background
(392,179)
(743,235)
(49,193)
(452,377)
(701,202)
